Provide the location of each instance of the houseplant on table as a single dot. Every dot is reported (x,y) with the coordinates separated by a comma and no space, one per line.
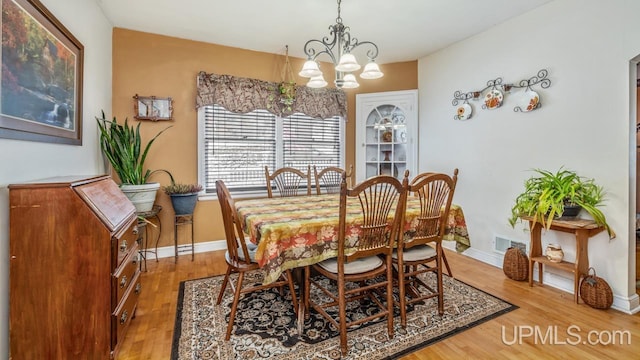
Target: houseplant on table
(547,195)
(122,146)
(183,197)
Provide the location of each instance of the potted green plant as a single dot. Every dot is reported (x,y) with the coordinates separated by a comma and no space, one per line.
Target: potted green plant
(122,146)
(284,93)
(547,195)
(183,197)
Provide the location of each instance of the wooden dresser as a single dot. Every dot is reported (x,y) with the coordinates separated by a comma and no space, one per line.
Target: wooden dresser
(74,272)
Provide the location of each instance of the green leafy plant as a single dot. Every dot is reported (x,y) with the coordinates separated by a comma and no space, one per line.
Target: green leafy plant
(284,93)
(546,195)
(122,145)
(176,188)
(287,91)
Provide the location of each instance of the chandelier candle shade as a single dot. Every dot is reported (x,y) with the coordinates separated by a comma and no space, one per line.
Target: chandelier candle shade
(345,62)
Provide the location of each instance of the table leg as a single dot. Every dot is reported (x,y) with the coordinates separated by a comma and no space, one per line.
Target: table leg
(535,250)
(582,260)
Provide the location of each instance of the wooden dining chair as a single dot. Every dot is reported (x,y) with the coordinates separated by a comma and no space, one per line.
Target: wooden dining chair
(416,179)
(240,258)
(288,181)
(414,251)
(329,178)
(361,258)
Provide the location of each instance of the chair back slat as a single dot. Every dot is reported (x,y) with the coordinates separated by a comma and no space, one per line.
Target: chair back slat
(232,226)
(381,199)
(435,191)
(329,179)
(288,181)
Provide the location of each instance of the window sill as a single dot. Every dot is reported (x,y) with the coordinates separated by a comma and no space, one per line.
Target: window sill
(235,196)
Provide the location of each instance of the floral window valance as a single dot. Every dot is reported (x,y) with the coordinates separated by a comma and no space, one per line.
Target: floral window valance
(242,95)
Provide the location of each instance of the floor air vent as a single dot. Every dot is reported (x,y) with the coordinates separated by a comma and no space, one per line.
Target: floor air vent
(501,245)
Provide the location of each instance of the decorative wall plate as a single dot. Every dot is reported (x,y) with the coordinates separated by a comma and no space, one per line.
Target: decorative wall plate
(493,99)
(532,101)
(464,112)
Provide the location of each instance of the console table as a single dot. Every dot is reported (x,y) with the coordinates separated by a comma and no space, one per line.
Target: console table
(582,229)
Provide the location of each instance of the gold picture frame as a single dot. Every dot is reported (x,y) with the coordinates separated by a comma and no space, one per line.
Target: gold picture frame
(42,69)
(153,108)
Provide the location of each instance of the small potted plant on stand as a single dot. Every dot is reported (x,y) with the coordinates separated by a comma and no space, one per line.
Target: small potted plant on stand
(122,146)
(549,195)
(183,197)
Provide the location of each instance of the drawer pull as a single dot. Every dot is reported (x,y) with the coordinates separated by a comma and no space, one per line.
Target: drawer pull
(123,318)
(138,288)
(135,230)
(123,246)
(123,281)
(135,259)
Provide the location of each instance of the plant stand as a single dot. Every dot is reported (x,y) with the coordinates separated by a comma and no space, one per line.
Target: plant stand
(180,220)
(143,240)
(582,229)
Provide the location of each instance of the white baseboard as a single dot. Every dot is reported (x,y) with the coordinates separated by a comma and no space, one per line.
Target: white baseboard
(626,304)
(201,247)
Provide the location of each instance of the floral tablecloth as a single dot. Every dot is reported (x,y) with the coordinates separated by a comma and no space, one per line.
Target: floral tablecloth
(298,231)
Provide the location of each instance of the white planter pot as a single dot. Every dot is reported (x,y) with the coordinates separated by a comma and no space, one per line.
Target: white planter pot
(142,196)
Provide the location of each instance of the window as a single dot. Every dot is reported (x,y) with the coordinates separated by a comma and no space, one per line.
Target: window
(236,147)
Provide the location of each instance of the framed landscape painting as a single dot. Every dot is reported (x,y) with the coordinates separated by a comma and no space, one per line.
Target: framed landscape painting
(41,86)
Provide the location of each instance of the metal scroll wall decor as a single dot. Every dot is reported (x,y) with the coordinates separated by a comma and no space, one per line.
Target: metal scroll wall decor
(493,95)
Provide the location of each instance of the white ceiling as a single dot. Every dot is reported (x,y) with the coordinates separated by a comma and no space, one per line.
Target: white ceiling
(404,30)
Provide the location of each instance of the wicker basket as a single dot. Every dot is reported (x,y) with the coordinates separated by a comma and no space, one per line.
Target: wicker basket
(516,264)
(595,291)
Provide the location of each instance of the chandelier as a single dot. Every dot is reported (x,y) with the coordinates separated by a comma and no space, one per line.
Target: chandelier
(345,62)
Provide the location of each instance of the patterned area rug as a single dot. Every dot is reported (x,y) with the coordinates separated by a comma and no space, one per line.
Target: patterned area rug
(266,324)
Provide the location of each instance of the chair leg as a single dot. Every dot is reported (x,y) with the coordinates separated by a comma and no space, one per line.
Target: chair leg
(402,293)
(234,307)
(389,297)
(224,285)
(446,263)
(292,289)
(342,306)
(439,261)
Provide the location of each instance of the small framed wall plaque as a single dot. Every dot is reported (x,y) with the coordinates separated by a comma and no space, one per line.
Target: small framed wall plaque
(153,108)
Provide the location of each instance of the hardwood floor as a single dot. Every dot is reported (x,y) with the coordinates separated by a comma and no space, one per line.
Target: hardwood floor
(543,309)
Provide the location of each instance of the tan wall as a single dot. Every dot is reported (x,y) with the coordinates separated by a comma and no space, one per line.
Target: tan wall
(154,65)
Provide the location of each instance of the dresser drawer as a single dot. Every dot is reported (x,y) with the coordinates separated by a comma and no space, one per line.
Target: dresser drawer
(124,275)
(121,318)
(124,241)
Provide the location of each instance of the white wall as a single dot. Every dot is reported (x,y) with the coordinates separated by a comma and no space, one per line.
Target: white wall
(25,160)
(585,123)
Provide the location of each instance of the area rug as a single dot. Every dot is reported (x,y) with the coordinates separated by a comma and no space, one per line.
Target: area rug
(265,325)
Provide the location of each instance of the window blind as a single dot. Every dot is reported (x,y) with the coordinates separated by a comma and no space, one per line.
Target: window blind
(238,146)
(309,141)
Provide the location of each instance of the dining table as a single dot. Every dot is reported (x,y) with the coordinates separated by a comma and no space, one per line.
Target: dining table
(293,232)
